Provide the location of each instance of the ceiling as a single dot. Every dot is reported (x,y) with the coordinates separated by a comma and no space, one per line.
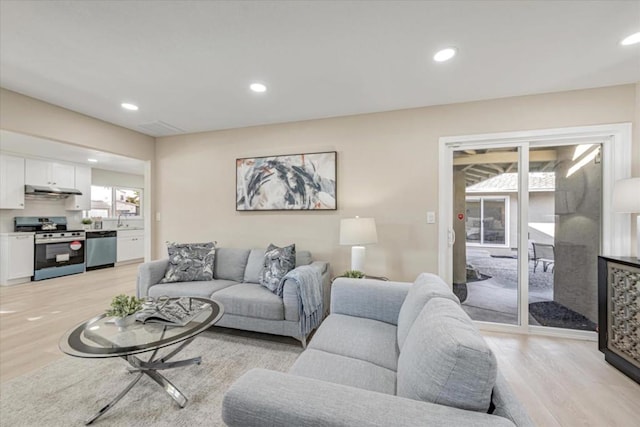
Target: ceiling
(188,64)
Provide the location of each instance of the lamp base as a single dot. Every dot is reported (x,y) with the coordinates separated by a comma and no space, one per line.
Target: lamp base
(357,258)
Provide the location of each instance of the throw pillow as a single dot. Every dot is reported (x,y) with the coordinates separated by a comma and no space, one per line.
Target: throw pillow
(189,262)
(277,262)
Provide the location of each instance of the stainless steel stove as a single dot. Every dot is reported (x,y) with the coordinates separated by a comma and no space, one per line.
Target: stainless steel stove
(58,251)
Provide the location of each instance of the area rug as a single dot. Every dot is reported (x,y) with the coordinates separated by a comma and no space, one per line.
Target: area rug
(70,390)
(551,313)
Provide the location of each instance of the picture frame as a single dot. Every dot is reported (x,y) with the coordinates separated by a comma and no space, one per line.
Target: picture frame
(305,181)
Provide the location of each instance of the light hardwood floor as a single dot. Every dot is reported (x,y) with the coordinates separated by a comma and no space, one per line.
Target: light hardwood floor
(561,382)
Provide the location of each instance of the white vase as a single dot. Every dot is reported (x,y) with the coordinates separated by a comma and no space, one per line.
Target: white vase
(125,321)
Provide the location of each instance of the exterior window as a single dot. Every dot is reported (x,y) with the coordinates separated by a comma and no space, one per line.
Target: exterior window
(111,202)
(486,221)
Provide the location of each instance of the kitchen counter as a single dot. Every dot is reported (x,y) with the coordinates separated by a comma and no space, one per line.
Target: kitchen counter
(18,233)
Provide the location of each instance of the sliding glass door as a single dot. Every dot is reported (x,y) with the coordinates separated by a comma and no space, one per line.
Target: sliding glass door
(528,220)
(564,235)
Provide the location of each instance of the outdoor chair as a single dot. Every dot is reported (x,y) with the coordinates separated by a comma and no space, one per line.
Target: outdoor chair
(543,252)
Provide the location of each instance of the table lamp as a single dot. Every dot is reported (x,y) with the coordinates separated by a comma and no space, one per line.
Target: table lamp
(357,232)
(626,199)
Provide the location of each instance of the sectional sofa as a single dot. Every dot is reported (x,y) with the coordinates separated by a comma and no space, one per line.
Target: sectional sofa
(389,354)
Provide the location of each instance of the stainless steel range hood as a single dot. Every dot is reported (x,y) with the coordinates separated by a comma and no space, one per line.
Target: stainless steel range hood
(44,192)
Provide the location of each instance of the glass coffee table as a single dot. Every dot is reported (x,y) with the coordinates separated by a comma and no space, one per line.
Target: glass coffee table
(99,338)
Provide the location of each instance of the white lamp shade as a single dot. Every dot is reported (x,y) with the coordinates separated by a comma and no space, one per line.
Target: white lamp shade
(626,195)
(358,231)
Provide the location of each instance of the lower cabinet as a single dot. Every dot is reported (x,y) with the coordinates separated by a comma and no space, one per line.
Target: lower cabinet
(16,263)
(619,312)
(130,245)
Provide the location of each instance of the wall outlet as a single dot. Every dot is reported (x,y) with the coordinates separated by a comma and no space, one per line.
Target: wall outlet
(431,217)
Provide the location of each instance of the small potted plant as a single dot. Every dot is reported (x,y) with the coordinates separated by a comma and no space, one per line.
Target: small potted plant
(123,309)
(353,274)
(86,222)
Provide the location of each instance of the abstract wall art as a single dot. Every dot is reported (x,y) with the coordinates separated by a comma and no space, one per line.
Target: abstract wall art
(289,182)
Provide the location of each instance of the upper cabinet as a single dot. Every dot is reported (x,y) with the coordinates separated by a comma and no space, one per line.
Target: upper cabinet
(82,183)
(41,172)
(11,182)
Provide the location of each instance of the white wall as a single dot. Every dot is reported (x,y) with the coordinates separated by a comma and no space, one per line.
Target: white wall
(387,169)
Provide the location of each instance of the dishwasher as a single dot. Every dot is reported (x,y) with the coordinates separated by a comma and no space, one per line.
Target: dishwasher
(101,249)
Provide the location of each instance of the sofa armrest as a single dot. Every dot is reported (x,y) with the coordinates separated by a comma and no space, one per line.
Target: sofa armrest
(290,292)
(149,274)
(269,398)
(368,298)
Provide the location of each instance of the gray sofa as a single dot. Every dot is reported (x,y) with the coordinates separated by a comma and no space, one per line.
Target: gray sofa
(247,304)
(390,354)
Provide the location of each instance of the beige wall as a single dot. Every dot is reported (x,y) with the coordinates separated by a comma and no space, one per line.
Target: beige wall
(387,169)
(111,178)
(30,116)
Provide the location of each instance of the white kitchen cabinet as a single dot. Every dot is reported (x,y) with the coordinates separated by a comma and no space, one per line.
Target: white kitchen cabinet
(16,258)
(11,182)
(130,245)
(82,183)
(41,172)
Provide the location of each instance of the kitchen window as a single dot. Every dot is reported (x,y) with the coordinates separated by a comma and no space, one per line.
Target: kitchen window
(112,202)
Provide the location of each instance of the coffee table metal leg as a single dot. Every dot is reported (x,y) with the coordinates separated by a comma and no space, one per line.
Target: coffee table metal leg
(140,365)
(114,401)
(172,390)
(149,368)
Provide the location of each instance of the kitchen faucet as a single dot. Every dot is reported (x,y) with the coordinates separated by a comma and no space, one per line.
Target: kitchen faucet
(119,224)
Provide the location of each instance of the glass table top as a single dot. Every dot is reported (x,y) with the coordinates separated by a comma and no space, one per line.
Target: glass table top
(100,337)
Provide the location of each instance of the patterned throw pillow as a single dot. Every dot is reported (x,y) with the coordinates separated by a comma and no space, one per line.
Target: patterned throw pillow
(189,262)
(277,263)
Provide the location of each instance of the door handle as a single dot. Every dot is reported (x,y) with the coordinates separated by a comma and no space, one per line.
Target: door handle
(451,236)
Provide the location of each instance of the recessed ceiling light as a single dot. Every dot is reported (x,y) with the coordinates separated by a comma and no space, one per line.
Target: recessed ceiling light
(444,54)
(258,87)
(632,39)
(92,160)
(128,106)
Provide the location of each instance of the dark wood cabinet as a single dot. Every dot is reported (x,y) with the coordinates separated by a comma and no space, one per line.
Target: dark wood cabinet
(619,313)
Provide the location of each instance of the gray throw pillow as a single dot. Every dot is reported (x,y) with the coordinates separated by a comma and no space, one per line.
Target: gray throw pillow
(189,262)
(277,263)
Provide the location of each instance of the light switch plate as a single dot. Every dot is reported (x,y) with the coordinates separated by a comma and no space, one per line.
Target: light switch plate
(431,217)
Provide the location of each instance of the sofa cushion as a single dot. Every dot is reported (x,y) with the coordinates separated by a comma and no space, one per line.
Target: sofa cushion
(254,266)
(190,289)
(445,360)
(303,258)
(251,300)
(256,261)
(365,339)
(189,262)
(425,287)
(230,263)
(344,370)
(277,262)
